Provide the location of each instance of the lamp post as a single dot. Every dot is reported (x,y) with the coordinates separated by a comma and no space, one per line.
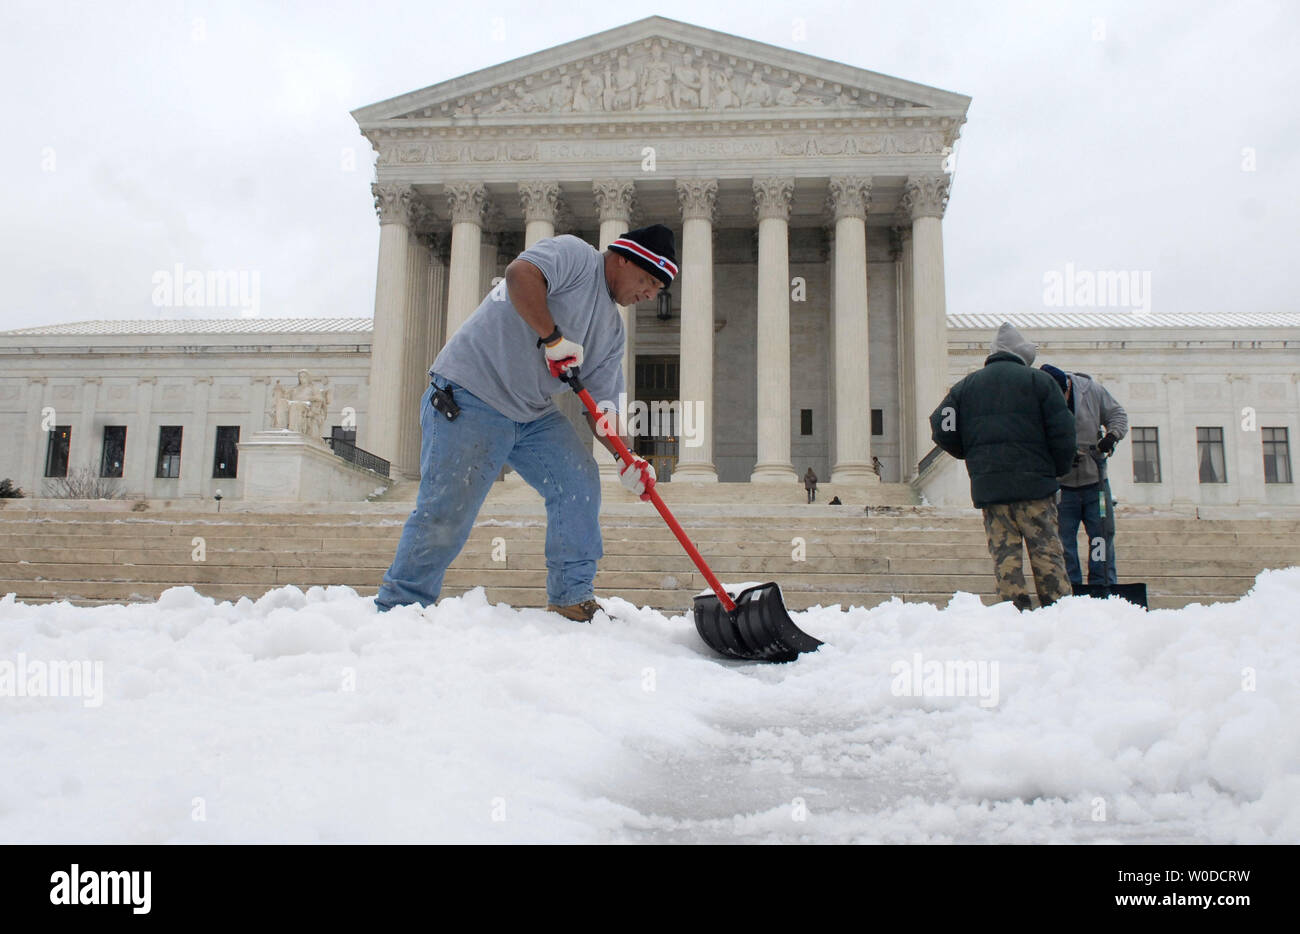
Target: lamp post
(664,310)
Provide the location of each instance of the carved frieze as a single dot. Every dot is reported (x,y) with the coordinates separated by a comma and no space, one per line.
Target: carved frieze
(661,75)
(887,143)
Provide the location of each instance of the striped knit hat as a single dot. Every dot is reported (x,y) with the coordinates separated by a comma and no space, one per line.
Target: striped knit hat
(651,248)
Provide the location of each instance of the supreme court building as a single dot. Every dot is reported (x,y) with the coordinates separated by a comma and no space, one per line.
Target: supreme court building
(807,327)
(806,198)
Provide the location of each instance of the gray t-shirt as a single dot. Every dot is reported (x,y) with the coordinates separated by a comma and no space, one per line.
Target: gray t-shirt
(495,354)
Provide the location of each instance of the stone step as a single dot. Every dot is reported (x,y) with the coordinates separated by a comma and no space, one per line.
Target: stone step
(689,581)
(320,525)
(99,593)
(102,553)
(1198,559)
(280,538)
(862,559)
(514,491)
(375,553)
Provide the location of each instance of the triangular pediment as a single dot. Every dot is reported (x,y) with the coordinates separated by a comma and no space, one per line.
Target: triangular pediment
(658,66)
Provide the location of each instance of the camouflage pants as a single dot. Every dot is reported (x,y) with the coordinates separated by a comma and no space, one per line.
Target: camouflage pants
(1033,522)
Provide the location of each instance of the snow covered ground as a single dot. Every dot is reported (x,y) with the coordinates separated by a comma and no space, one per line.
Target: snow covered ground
(311,717)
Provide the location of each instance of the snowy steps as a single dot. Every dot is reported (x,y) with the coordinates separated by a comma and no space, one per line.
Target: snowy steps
(821,556)
(514,491)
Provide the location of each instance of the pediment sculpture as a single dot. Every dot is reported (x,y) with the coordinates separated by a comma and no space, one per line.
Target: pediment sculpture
(664,76)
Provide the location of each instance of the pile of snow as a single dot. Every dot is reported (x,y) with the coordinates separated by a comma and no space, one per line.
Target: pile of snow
(312,717)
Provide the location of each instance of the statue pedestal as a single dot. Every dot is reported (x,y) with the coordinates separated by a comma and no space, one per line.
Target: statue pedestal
(284,466)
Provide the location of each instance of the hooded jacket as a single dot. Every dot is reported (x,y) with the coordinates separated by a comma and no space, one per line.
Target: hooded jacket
(1009,422)
(1095,412)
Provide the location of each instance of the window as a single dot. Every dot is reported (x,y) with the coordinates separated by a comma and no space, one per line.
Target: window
(877,421)
(1146,455)
(225,460)
(56,451)
(1209,455)
(656,377)
(114,451)
(805,421)
(169,451)
(1277,456)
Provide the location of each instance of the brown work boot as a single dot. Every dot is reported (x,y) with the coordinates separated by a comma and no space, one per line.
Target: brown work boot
(578,612)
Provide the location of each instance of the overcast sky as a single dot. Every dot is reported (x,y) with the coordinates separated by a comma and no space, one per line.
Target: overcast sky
(1113,136)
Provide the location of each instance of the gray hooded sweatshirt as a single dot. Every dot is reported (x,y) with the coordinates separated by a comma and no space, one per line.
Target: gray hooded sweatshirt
(1009,340)
(1095,412)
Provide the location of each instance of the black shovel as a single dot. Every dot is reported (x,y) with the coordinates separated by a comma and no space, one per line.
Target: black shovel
(753,625)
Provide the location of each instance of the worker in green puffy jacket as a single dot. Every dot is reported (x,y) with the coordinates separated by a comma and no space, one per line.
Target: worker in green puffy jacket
(1010,423)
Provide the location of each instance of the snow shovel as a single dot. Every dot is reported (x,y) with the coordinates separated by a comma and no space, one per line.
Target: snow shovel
(1133,593)
(754,624)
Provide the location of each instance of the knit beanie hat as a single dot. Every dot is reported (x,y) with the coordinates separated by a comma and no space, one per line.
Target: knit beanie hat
(651,248)
(1061,378)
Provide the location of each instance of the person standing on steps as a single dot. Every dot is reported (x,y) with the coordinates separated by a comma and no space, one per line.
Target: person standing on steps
(489,403)
(810,484)
(1100,423)
(1010,423)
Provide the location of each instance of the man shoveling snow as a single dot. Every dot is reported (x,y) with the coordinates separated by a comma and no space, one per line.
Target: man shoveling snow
(489,405)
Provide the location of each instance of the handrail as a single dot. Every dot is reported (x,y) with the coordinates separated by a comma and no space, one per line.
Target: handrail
(929,459)
(355,455)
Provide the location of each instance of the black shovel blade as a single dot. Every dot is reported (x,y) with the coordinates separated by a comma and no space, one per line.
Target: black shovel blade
(1133,593)
(760,630)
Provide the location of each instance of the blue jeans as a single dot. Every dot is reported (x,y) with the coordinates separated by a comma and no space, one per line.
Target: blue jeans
(459,461)
(1083,505)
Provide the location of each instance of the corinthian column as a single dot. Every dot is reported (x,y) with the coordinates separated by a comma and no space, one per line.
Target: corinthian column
(614,200)
(901,251)
(541,204)
(849,197)
(439,246)
(925,198)
(415,341)
(697,197)
(469,205)
(772,205)
(380,433)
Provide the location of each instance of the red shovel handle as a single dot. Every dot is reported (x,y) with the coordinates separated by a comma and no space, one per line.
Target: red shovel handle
(602,424)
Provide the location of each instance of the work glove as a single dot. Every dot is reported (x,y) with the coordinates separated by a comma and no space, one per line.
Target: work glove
(1107,444)
(638,476)
(561,354)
